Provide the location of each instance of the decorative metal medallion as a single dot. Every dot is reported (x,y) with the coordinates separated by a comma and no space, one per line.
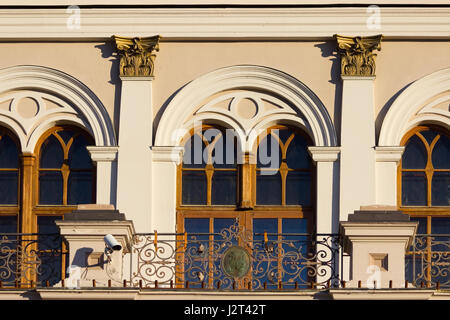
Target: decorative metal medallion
(236,262)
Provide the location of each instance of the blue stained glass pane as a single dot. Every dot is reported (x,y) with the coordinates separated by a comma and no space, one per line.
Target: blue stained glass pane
(8,250)
(46,224)
(224,154)
(80,188)
(283,134)
(429,135)
(66,135)
(49,244)
(269,153)
(422,227)
(265,264)
(415,155)
(8,224)
(440,189)
(414,189)
(79,157)
(298,188)
(440,225)
(196,260)
(294,225)
(9,156)
(224,188)
(295,248)
(9,187)
(196,225)
(297,155)
(221,245)
(50,187)
(441,153)
(194,153)
(268,188)
(52,155)
(194,187)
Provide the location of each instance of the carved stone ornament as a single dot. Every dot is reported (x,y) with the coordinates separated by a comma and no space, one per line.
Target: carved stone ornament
(137,56)
(357,58)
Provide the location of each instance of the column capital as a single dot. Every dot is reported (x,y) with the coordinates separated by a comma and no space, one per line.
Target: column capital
(137,57)
(103,153)
(357,56)
(324,154)
(388,154)
(167,154)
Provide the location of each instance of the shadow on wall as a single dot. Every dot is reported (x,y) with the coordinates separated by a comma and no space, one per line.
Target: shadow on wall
(162,110)
(328,49)
(108,51)
(382,113)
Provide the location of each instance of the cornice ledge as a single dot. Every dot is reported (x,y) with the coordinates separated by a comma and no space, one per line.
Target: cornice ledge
(388,154)
(103,153)
(167,154)
(324,154)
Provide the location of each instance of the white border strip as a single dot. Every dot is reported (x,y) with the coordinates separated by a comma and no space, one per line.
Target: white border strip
(223,23)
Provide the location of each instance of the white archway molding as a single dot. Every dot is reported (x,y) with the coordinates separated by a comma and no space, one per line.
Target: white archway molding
(59,98)
(417,105)
(290,101)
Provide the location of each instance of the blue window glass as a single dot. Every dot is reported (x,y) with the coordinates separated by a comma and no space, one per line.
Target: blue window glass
(194,187)
(297,155)
(414,189)
(79,157)
(9,154)
(268,188)
(224,188)
(298,188)
(415,154)
(50,187)
(441,153)
(52,154)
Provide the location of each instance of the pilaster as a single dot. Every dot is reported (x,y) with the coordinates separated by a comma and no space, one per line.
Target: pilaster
(387,159)
(357,174)
(164,165)
(134,176)
(105,159)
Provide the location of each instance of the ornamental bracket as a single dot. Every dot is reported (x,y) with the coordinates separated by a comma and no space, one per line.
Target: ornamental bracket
(137,57)
(357,58)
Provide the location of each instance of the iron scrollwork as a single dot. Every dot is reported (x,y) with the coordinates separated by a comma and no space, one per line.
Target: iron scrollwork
(235,258)
(27,260)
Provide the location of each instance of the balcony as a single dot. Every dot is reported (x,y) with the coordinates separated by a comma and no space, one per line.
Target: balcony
(427,262)
(232,260)
(31,260)
(235,259)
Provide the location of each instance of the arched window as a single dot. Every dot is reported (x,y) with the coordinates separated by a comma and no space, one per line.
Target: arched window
(37,189)
(269,192)
(424,171)
(66,173)
(424,193)
(9,182)
(209,170)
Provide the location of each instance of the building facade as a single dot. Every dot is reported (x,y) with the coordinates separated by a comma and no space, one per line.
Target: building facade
(247,150)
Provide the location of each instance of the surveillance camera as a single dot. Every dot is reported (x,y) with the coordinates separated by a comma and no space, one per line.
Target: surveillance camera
(111,243)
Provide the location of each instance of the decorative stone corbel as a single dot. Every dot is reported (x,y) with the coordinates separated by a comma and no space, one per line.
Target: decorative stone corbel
(137,58)
(357,58)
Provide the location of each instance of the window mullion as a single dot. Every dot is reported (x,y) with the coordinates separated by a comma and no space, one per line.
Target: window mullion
(26,197)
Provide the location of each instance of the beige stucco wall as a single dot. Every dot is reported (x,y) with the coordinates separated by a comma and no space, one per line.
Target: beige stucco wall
(177,63)
(88,62)
(400,63)
(313,62)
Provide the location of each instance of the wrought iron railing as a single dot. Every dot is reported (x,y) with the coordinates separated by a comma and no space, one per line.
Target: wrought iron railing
(235,259)
(30,260)
(428,261)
